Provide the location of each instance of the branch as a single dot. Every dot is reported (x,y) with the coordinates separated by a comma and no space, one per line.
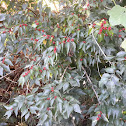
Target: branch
(91,85)
(100,47)
(32,11)
(9,73)
(63,74)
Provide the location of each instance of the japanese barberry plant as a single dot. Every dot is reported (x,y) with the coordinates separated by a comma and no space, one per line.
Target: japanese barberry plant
(73,61)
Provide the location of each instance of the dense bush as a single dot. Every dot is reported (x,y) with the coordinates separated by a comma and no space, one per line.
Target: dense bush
(73,66)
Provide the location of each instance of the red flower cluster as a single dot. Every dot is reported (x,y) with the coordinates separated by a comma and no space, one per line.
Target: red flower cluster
(23,25)
(28,71)
(103,28)
(99,115)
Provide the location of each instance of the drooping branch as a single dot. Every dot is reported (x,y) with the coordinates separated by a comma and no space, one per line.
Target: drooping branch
(89,80)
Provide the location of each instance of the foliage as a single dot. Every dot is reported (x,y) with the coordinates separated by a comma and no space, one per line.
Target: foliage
(73,64)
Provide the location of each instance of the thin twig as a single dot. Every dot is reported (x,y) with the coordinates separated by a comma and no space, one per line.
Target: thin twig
(91,85)
(98,69)
(100,47)
(10,80)
(63,74)
(32,11)
(114,2)
(9,73)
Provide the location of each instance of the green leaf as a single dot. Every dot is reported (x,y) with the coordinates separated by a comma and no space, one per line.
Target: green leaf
(2,17)
(117,15)
(77,108)
(65,86)
(27,116)
(1,71)
(123,45)
(104,117)
(8,62)
(8,114)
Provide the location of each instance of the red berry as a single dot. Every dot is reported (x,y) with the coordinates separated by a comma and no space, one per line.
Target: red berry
(31,38)
(49,56)
(78,29)
(31,67)
(64,99)
(101,112)
(119,36)
(44,68)
(23,24)
(37,23)
(104,22)
(85,8)
(120,30)
(52,36)
(68,40)
(53,42)
(20,25)
(44,35)
(98,119)
(81,59)
(109,28)
(59,42)
(39,30)
(88,4)
(72,40)
(48,109)
(72,13)
(54,49)
(40,71)
(123,29)
(11,108)
(48,98)
(105,28)
(42,30)
(55,97)
(36,40)
(35,29)
(64,42)
(84,41)
(26,25)
(106,34)
(99,115)
(94,24)
(101,0)
(4,31)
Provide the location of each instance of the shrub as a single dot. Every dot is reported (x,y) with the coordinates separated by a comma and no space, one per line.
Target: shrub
(73,66)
